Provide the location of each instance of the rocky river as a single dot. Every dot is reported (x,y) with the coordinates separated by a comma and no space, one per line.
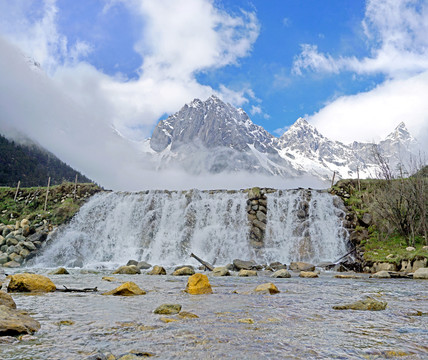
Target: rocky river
(233,322)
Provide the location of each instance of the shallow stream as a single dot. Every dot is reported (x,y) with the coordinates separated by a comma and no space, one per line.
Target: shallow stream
(298,323)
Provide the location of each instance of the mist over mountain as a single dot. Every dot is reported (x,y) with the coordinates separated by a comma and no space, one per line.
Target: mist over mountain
(213,136)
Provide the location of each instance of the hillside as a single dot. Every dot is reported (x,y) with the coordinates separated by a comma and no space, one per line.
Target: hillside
(32,166)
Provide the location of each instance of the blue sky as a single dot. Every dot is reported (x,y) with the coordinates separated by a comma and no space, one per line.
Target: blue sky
(352,68)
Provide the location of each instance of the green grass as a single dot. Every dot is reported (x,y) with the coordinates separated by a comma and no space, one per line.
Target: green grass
(30,202)
(376,249)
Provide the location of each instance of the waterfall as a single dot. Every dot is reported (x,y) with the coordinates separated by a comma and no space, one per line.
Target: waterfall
(158,227)
(304,225)
(163,228)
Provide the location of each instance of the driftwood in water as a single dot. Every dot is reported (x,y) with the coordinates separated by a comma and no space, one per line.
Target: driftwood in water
(337,261)
(207,265)
(66,289)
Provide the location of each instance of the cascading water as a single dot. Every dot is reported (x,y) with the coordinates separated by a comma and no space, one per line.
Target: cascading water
(304,225)
(158,227)
(163,228)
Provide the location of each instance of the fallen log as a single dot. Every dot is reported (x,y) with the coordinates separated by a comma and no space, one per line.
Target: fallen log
(66,289)
(349,252)
(207,265)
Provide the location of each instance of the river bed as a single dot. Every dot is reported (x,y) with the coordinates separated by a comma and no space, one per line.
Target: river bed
(234,322)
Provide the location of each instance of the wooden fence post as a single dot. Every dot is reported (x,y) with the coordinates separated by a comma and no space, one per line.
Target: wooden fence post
(75,188)
(17,189)
(47,192)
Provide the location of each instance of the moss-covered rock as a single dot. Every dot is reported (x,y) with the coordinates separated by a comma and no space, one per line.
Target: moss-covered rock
(367,304)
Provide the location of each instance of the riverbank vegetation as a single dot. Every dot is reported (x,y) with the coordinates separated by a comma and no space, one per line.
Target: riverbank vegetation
(63,201)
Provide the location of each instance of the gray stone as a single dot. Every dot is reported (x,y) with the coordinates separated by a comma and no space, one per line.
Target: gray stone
(221,271)
(11,241)
(132,262)
(381,275)
(13,322)
(301,266)
(367,219)
(367,304)
(4,258)
(259,224)
(29,245)
(243,264)
(282,273)
(168,309)
(129,270)
(261,216)
(246,273)
(277,265)
(421,273)
(144,265)
(184,271)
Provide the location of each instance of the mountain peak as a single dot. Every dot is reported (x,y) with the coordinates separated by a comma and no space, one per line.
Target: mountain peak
(400,133)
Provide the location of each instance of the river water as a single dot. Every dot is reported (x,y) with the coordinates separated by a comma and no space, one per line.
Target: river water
(297,323)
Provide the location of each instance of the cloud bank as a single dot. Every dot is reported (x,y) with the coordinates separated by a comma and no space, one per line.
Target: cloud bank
(395,32)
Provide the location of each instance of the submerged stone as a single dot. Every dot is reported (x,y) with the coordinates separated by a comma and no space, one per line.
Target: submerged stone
(267,288)
(157,270)
(127,289)
(282,273)
(168,309)
(128,270)
(59,271)
(221,271)
(367,304)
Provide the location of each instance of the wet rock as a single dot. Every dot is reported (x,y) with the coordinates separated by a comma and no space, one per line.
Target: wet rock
(198,284)
(184,271)
(59,271)
(132,262)
(157,270)
(246,321)
(128,270)
(6,300)
(282,273)
(243,264)
(301,266)
(308,274)
(381,275)
(144,265)
(168,309)
(367,304)
(277,265)
(421,273)
(221,271)
(109,278)
(267,288)
(187,315)
(126,289)
(12,264)
(30,283)
(13,322)
(245,273)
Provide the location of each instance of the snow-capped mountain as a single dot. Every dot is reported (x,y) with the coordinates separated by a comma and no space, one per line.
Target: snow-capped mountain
(212,136)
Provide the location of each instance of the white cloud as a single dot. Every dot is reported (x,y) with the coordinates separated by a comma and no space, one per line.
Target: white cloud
(373,115)
(179,39)
(255,110)
(396,34)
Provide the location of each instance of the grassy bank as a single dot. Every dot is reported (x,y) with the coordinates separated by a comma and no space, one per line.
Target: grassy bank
(383,240)
(62,203)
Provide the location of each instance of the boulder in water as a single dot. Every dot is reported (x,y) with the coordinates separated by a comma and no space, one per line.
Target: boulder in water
(168,309)
(221,271)
(367,304)
(6,300)
(13,322)
(184,271)
(132,262)
(282,273)
(157,270)
(421,273)
(128,270)
(268,288)
(277,265)
(198,284)
(143,265)
(381,275)
(301,266)
(243,264)
(126,289)
(245,273)
(308,274)
(12,264)
(30,283)
(59,271)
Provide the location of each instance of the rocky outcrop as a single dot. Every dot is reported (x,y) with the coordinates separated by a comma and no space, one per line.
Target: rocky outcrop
(30,283)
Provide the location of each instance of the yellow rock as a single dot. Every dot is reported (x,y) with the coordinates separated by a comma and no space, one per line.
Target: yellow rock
(30,283)
(246,273)
(198,284)
(188,315)
(65,322)
(267,288)
(308,274)
(6,300)
(246,321)
(109,278)
(127,289)
(167,320)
